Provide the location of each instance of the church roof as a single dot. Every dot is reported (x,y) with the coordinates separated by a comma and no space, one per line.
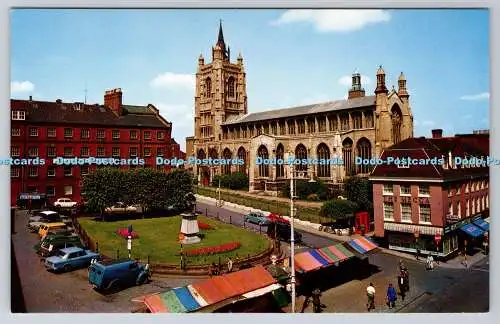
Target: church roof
(323,107)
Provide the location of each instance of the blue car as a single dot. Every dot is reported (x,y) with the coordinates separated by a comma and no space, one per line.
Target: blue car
(256,218)
(113,275)
(69,259)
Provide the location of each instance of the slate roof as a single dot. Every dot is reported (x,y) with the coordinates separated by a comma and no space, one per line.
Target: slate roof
(428,148)
(46,112)
(323,107)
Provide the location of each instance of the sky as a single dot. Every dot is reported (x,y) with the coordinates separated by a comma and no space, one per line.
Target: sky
(291,58)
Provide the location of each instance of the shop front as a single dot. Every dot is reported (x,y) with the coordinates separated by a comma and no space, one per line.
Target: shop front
(469,233)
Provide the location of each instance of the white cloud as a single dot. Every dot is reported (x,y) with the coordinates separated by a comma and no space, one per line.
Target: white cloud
(346,80)
(428,123)
(174,81)
(334,20)
(21,86)
(476,97)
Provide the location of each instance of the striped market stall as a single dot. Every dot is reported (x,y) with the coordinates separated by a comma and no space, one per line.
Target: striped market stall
(362,245)
(321,258)
(214,292)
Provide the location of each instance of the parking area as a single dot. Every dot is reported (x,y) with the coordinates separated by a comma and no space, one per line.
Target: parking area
(70,292)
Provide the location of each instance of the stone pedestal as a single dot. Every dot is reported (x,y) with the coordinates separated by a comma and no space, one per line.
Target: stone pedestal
(190,229)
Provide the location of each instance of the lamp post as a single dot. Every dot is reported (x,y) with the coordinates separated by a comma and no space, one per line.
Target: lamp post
(292,231)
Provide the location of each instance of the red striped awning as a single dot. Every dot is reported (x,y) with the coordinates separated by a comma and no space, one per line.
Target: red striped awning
(306,262)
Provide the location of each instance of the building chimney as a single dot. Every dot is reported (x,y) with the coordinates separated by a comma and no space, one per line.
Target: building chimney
(437,133)
(59,101)
(31,98)
(113,100)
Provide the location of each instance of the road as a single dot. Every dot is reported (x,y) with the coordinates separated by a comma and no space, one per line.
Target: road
(45,292)
(440,290)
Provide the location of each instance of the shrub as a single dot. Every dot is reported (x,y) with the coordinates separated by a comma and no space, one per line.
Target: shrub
(123,232)
(236,181)
(214,249)
(338,209)
(205,226)
(304,188)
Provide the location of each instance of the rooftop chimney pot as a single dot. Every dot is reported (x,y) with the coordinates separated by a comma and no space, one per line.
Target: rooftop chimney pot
(437,133)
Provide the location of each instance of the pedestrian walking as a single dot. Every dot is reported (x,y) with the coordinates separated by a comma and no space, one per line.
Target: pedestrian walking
(418,254)
(316,294)
(370,293)
(391,296)
(402,289)
(229,265)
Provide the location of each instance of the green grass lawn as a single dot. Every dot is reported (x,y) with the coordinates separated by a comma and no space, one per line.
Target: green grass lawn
(158,239)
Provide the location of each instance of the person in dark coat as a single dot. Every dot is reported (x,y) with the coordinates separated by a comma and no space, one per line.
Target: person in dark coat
(316,294)
(391,296)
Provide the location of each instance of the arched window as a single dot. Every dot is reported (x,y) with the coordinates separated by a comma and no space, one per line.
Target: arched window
(201,154)
(323,166)
(213,154)
(364,151)
(226,168)
(208,88)
(397,119)
(348,158)
(280,155)
(230,87)
(301,153)
(263,168)
(242,155)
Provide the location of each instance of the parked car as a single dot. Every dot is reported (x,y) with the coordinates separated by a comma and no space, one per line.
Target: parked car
(56,237)
(45,228)
(256,218)
(34,222)
(120,207)
(282,232)
(277,218)
(65,203)
(48,249)
(111,275)
(69,259)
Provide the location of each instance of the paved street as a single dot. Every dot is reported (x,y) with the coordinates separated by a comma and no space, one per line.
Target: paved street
(69,292)
(440,290)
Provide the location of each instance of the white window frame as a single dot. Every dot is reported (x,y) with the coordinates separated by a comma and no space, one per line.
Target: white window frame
(33,151)
(133,131)
(405,220)
(101,152)
(70,174)
(147,154)
(84,154)
(85,133)
(49,148)
(15,151)
(115,133)
(162,150)
(68,192)
(71,152)
(384,211)
(420,215)
(34,131)
(68,132)
(49,194)
(15,132)
(84,168)
(33,172)
(115,152)
(49,174)
(133,151)
(51,132)
(15,172)
(401,190)
(160,135)
(18,115)
(147,135)
(386,192)
(99,132)
(428,194)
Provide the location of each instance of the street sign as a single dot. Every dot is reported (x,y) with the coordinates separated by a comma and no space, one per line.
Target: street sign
(437,237)
(130,230)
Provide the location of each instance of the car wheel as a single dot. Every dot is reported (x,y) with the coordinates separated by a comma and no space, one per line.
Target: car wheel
(67,268)
(114,286)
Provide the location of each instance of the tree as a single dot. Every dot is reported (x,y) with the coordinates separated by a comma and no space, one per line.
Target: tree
(178,191)
(338,209)
(305,189)
(235,181)
(359,190)
(103,188)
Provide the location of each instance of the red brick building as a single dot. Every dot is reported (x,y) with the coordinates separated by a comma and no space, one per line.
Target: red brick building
(432,207)
(47,130)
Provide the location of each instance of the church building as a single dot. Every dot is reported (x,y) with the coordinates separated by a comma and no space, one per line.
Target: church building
(359,126)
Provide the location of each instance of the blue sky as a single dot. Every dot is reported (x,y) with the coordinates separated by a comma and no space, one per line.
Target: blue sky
(291,58)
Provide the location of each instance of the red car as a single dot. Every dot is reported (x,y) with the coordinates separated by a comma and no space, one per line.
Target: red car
(277,218)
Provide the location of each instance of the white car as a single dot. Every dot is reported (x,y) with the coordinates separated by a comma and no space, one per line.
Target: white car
(65,203)
(121,208)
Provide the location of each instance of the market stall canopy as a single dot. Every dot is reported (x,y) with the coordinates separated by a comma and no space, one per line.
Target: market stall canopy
(362,245)
(482,224)
(472,230)
(320,258)
(246,283)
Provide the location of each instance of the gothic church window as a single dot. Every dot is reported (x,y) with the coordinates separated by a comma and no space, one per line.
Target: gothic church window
(263,167)
(396,117)
(208,88)
(301,154)
(226,168)
(230,87)
(348,158)
(280,155)
(242,155)
(323,166)
(364,151)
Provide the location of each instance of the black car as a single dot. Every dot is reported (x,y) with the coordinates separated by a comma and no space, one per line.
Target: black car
(282,232)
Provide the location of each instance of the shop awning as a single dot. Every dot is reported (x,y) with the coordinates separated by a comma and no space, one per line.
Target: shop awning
(482,224)
(209,292)
(362,245)
(306,262)
(487,220)
(262,291)
(320,258)
(472,230)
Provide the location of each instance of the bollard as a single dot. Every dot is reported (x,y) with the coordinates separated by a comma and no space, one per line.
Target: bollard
(148,260)
(117,254)
(260,229)
(96,247)
(230,219)
(206,212)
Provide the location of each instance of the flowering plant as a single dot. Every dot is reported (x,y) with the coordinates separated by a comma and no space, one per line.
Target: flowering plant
(203,225)
(214,249)
(123,232)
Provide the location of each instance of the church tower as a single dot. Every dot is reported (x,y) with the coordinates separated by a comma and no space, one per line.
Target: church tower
(220,91)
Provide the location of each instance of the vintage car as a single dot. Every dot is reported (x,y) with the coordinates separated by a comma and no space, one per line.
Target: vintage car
(34,222)
(256,218)
(56,237)
(65,203)
(112,275)
(69,259)
(120,207)
(282,232)
(49,249)
(47,227)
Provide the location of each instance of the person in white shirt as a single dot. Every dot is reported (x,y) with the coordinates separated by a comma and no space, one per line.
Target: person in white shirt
(370,292)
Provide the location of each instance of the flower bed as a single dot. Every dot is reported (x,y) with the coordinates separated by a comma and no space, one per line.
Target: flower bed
(123,232)
(214,249)
(204,226)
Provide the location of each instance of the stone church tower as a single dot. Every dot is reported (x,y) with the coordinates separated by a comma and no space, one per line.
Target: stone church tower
(220,93)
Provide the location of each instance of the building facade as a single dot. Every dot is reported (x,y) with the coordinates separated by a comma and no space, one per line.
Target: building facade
(46,130)
(425,207)
(338,130)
